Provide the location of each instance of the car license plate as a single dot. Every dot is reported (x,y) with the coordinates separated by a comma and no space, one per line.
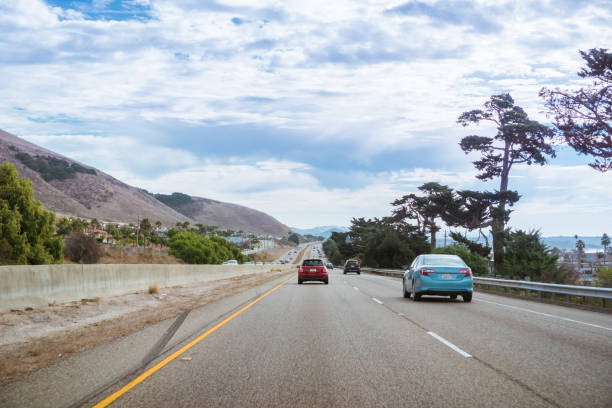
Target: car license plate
(313,270)
(447,276)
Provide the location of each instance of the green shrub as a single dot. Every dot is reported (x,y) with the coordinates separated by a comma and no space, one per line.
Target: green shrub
(174,200)
(527,256)
(82,248)
(26,229)
(477,263)
(332,252)
(604,276)
(52,168)
(196,249)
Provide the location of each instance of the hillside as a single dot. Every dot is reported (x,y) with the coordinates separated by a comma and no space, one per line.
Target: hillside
(71,188)
(232,216)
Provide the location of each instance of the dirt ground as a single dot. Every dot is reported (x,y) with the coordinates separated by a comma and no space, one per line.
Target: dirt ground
(139,259)
(35,338)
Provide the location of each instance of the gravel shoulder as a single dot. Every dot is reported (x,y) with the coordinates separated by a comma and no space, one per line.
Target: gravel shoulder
(35,338)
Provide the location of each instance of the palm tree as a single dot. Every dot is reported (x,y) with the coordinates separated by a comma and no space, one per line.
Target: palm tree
(605,242)
(580,247)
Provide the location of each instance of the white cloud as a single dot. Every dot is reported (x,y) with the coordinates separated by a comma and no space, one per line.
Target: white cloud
(564,200)
(340,72)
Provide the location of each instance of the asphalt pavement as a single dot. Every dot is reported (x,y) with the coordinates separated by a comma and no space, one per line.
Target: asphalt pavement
(355,342)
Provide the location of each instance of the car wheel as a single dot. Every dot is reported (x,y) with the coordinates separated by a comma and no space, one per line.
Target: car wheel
(415,296)
(300,281)
(326,281)
(358,273)
(467,297)
(406,294)
(344,272)
(453,297)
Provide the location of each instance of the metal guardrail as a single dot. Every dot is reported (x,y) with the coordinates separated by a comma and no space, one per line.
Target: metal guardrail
(396,273)
(605,294)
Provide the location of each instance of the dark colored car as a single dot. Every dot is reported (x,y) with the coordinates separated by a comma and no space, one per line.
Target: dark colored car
(329,266)
(312,270)
(352,265)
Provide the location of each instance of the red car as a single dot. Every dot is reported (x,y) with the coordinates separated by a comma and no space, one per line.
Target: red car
(312,270)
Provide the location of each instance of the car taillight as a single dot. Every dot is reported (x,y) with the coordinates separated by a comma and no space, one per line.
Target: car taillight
(467,272)
(427,271)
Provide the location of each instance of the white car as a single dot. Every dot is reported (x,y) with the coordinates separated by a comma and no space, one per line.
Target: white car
(230,262)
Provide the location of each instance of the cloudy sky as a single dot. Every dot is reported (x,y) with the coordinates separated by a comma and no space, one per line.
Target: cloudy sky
(313,111)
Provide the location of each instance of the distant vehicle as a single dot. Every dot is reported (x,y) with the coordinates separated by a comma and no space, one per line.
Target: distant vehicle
(445,275)
(249,263)
(258,263)
(230,262)
(329,265)
(312,270)
(352,265)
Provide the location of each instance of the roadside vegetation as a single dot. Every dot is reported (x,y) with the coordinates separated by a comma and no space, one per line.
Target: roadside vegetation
(31,235)
(581,119)
(51,168)
(79,247)
(197,249)
(26,229)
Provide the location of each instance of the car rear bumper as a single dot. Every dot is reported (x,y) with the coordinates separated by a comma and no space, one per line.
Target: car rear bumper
(356,270)
(444,292)
(434,286)
(317,277)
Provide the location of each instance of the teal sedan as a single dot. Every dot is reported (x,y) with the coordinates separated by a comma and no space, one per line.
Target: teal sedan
(442,275)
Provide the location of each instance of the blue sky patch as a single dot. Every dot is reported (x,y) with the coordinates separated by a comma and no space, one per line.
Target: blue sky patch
(119,10)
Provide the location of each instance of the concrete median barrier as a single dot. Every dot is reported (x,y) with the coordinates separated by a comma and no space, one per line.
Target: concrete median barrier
(39,285)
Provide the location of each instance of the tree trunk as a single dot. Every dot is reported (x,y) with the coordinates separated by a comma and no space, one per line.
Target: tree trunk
(433,237)
(499,224)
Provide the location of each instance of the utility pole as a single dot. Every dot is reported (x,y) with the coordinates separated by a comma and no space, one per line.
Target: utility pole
(137,229)
(444,238)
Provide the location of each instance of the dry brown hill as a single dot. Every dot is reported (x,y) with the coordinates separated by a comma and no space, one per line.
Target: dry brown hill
(71,188)
(233,216)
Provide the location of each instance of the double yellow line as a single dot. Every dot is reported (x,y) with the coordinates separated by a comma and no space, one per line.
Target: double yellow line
(111,398)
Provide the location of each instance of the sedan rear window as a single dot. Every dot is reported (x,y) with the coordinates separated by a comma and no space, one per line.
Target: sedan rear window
(312,262)
(449,260)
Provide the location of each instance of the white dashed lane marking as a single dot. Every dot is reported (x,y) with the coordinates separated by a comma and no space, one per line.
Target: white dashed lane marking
(545,314)
(449,344)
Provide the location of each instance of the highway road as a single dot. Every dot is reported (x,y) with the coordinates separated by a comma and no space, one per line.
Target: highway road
(354,342)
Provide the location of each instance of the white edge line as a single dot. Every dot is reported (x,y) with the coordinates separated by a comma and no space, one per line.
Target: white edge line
(377,301)
(355,287)
(449,344)
(546,314)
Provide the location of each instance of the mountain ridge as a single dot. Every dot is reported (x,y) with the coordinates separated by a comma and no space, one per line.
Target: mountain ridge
(71,188)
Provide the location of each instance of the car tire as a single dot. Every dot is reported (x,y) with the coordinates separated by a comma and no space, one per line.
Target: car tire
(453,297)
(326,281)
(300,281)
(467,297)
(415,296)
(358,273)
(344,272)
(406,294)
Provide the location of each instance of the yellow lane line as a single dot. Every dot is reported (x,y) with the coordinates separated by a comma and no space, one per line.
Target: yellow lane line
(111,398)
